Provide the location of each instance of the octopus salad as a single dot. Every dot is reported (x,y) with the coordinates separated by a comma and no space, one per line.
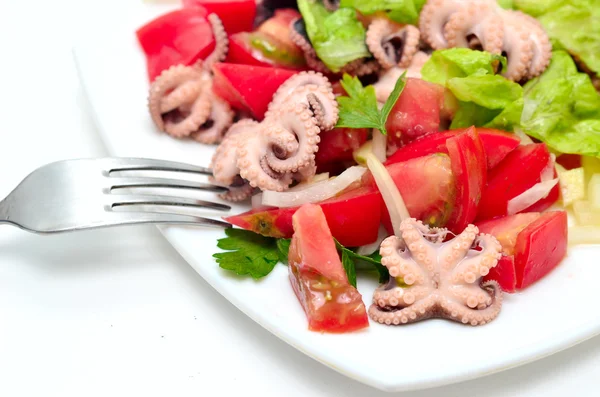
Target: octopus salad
(438,145)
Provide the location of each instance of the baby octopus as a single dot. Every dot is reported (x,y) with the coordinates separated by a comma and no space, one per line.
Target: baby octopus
(392,44)
(484,25)
(274,153)
(430,277)
(181,101)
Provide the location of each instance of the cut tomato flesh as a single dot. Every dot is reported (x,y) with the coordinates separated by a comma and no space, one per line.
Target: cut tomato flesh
(519,171)
(258,48)
(497,144)
(532,243)
(318,278)
(504,274)
(540,247)
(337,145)
(427,187)
(236,15)
(469,167)
(416,112)
(178,37)
(353,218)
(248,88)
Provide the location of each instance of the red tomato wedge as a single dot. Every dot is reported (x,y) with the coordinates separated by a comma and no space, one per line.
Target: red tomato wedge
(416,112)
(540,247)
(569,161)
(353,218)
(249,88)
(497,144)
(236,15)
(505,274)
(269,44)
(533,244)
(318,278)
(178,37)
(469,166)
(336,146)
(427,187)
(519,171)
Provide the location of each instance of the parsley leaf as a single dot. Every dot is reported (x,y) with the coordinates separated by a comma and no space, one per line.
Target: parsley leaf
(283,246)
(349,267)
(249,253)
(373,261)
(360,108)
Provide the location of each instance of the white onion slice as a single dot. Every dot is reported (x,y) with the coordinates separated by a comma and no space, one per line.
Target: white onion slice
(257,201)
(525,139)
(530,196)
(315,192)
(379,147)
(389,191)
(548,171)
(368,249)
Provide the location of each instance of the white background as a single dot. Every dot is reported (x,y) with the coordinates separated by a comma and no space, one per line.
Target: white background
(119,312)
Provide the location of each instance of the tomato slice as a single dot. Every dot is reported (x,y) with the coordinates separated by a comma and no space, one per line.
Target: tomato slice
(416,112)
(318,278)
(178,37)
(569,161)
(337,145)
(346,216)
(540,247)
(505,274)
(469,166)
(497,144)
(519,171)
(236,15)
(260,49)
(533,244)
(248,88)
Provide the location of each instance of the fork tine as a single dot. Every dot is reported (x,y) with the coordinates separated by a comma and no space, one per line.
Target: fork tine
(119,200)
(144,164)
(135,218)
(120,183)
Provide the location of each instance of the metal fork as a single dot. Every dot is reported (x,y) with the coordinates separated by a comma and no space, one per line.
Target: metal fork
(83,194)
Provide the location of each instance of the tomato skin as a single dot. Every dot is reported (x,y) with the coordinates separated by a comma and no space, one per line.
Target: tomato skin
(569,161)
(243,51)
(497,144)
(519,171)
(236,15)
(540,247)
(533,244)
(248,88)
(469,166)
(504,274)
(318,278)
(337,145)
(353,218)
(416,112)
(178,37)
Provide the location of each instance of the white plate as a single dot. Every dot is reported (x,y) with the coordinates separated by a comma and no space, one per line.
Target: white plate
(552,315)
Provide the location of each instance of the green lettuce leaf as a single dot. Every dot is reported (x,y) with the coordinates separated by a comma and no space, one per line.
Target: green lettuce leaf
(401,11)
(338,38)
(572,24)
(484,98)
(562,108)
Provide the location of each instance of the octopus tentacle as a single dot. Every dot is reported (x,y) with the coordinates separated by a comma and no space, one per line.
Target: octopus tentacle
(420,310)
(213,130)
(478,263)
(395,257)
(474,317)
(478,21)
(311,89)
(518,49)
(310,56)
(541,46)
(392,44)
(293,140)
(451,254)
(221,42)
(178,100)
(433,17)
(238,193)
